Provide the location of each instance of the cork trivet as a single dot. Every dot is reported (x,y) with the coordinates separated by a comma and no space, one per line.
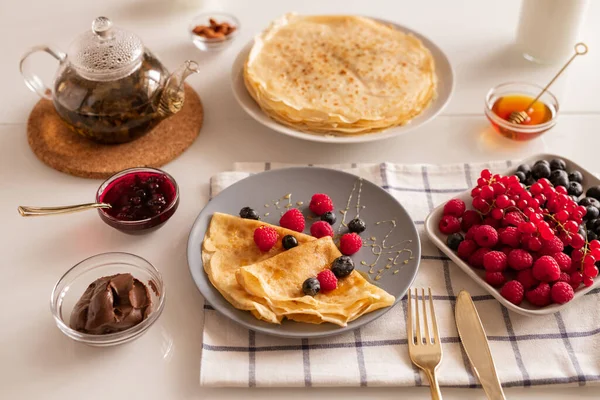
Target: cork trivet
(66,151)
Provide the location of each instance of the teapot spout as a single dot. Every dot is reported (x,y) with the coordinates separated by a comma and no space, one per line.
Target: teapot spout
(173,95)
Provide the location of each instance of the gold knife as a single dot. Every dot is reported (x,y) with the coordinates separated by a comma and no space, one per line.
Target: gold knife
(476,346)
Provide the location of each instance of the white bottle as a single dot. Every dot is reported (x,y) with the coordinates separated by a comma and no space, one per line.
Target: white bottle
(549,29)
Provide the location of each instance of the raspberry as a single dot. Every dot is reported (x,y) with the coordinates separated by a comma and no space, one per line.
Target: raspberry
(476,259)
(350,243)
(293,219)
(320,229)
(563,260)
(513,218)
(540,296)
(552,246)
(546,269)
(565,277)
(486,236)
(327,280)
(519,259)
(510,236)
(466,248)
(526,278)
(506,250)
(494,223)
(495,279)
(471,232)
(449,225)
(494,261)
(265,238)
(562,292)
(320,204)
(513,291)
(470,218)
(455,207)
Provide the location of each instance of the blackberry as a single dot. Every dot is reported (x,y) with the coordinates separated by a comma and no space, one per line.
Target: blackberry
(530,181)
(249,213)
(558,177)
(329,217)
(311,287)
(521,175)
(524,168)
(576,176)
(591,235)
(357,225)
(545,162)
(541,170)
(575,189)
(589,201)
(289,242)
(342,266)
(591,213)
(454,240)
(557,163)
(594,192)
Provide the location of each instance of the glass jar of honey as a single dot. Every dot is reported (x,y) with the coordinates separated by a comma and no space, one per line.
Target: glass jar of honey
(506,98)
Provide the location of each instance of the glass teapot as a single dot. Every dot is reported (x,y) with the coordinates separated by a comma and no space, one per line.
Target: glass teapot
(109,87)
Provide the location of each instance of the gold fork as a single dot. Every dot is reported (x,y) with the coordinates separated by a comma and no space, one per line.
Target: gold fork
(425,352)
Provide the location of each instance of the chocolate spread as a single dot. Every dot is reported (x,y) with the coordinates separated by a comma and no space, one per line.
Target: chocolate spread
(111,304)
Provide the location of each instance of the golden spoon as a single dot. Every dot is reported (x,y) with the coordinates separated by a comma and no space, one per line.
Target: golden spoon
(26,211)
(518,117)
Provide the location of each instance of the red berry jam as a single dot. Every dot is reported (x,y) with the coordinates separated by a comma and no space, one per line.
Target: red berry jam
(140,196)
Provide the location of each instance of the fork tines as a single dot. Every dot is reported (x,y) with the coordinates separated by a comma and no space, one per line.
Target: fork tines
(425,336)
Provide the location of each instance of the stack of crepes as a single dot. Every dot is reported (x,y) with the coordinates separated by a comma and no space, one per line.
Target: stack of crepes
(269,284)
(341,75)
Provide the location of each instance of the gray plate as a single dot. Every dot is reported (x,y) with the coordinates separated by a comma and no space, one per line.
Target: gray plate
(302,183)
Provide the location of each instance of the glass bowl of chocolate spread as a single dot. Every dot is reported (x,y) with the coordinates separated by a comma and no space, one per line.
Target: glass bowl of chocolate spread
(108,299)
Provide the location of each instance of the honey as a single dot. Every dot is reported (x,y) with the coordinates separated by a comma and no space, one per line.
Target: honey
(538,114)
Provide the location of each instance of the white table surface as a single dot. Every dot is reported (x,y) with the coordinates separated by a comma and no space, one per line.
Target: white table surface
(37,361)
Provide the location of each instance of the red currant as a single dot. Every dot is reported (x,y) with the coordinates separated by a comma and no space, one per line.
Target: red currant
(595,244)
(588,281)
(577,241)
(497,213)
(502,201)
(536,188)
(487,192)
(486,174)
(591,271)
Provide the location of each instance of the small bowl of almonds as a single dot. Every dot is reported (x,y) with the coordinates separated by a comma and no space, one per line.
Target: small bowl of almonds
(214,31)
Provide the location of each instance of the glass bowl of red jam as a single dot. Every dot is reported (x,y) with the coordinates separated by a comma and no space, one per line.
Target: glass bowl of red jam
(506,98)
(142,199)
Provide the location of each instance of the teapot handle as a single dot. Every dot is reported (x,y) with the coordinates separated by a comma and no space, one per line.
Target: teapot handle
(33,81)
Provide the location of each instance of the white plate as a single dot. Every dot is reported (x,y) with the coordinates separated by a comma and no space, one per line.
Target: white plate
(444,72)
(431,227)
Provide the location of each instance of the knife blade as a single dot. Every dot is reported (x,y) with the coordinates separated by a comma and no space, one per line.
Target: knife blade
(476,346)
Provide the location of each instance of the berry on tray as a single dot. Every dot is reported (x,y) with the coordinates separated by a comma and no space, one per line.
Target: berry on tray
(327,280)
(495,261)
(342,266)
(320,203)
(321,229)
(289,242)
(449,224)
(513,291)
(519,259)
(466,248)
(486,236)
(454,240)
(249,213)
(562,292)
(495,279)
(546,269)
(311,287)
(350,243)
(293,220)
(329,217)
(470,218)
(527,279)
(357,225)
(265,238)
(540,295)
(455,207)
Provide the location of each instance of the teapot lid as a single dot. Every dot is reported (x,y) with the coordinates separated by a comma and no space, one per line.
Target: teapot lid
(105,53)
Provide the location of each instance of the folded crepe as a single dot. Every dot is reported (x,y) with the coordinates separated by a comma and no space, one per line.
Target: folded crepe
(229,245)
(275,287)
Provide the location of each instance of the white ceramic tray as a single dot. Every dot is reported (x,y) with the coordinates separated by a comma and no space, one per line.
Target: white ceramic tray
(431,227)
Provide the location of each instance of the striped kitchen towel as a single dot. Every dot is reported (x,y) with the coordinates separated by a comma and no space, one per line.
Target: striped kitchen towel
(563,348)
